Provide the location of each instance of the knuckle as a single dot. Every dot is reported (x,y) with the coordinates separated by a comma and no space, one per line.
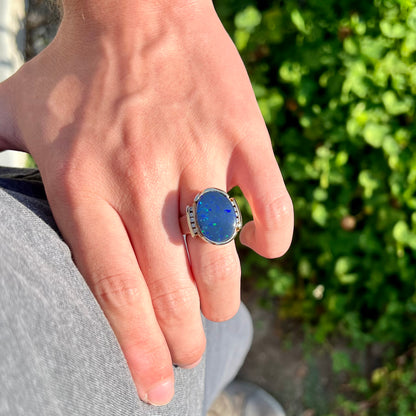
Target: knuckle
(191,355)
(277,212)
(117,291)
(153,352)
(148,358)
(176,305)
(65,180)
(219,268)
(218,316)
(177,309)
(71,182)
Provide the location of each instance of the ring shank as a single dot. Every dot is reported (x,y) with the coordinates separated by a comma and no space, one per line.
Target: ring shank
(183,222)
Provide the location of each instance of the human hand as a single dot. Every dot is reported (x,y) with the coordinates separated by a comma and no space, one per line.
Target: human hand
(128,114)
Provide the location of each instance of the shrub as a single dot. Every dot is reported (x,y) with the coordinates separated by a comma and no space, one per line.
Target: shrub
(336,81)
(391,390)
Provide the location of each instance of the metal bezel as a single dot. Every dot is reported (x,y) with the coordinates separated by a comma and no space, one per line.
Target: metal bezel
(193,220)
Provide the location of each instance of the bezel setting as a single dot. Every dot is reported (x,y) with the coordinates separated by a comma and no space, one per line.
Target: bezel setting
(194,226)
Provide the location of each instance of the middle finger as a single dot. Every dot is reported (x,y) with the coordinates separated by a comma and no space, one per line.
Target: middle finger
(162,258)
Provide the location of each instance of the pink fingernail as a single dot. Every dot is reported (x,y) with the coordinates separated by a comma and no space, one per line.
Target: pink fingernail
(161,394)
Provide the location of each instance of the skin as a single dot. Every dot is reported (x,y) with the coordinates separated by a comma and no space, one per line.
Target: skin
(129,113)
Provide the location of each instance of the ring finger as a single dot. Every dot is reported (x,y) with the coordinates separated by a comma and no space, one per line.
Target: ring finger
(216,268)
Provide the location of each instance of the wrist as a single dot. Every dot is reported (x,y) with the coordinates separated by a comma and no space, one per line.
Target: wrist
(124,27)
(8,138)
(113,16)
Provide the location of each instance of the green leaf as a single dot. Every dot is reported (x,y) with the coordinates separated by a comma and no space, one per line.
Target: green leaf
(409,44)
(305,268)
(379,375)
(390,146)
(270,105)
(341,158)
(401,232)
(394,106)
(320,194)
(298,21)
(348,279)
(351,46)
(411,19)
(276,100)
(355,80)
(393,30)
(291,72)
(248,19)
(374,134)
(368,182)
(319,214)
(373,48)
(342,270)
(343,265)
(241,38)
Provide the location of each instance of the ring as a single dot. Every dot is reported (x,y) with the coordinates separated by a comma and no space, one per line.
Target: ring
(214,216)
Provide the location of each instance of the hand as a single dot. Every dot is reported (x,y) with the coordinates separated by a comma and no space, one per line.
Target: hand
(127,119)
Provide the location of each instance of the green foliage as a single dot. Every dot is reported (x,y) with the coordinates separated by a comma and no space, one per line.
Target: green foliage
(391,390)
(336,83)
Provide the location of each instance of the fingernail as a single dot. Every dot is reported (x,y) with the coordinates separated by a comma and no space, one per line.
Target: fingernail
(161,394)
(188,367)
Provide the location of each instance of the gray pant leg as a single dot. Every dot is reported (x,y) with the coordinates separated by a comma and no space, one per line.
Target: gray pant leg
(58,354)
(227,346)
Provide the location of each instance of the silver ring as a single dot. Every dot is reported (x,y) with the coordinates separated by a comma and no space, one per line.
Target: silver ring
(213,216)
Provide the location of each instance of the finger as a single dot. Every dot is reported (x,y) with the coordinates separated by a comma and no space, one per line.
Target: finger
(159,246)
(270,234)
(217,273)
(216,268)
(104,255)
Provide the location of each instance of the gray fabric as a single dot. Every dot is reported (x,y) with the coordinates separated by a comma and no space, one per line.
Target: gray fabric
(58,354)
(227,346)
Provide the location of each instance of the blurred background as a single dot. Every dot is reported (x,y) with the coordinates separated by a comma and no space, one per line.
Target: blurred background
(336,83)
(335,318)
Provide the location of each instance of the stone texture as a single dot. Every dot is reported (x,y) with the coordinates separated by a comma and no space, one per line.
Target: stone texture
(216,217)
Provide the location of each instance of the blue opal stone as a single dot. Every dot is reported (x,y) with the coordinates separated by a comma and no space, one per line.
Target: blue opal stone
(216,217)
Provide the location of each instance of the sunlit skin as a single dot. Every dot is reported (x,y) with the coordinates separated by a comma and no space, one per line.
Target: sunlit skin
(133,109)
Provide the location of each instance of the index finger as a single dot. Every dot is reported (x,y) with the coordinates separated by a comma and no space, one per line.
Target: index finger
(103,253)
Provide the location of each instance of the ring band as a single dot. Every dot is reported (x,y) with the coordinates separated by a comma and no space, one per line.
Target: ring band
(214,217)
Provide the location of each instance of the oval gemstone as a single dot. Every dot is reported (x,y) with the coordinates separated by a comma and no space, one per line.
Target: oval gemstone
(216,217)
